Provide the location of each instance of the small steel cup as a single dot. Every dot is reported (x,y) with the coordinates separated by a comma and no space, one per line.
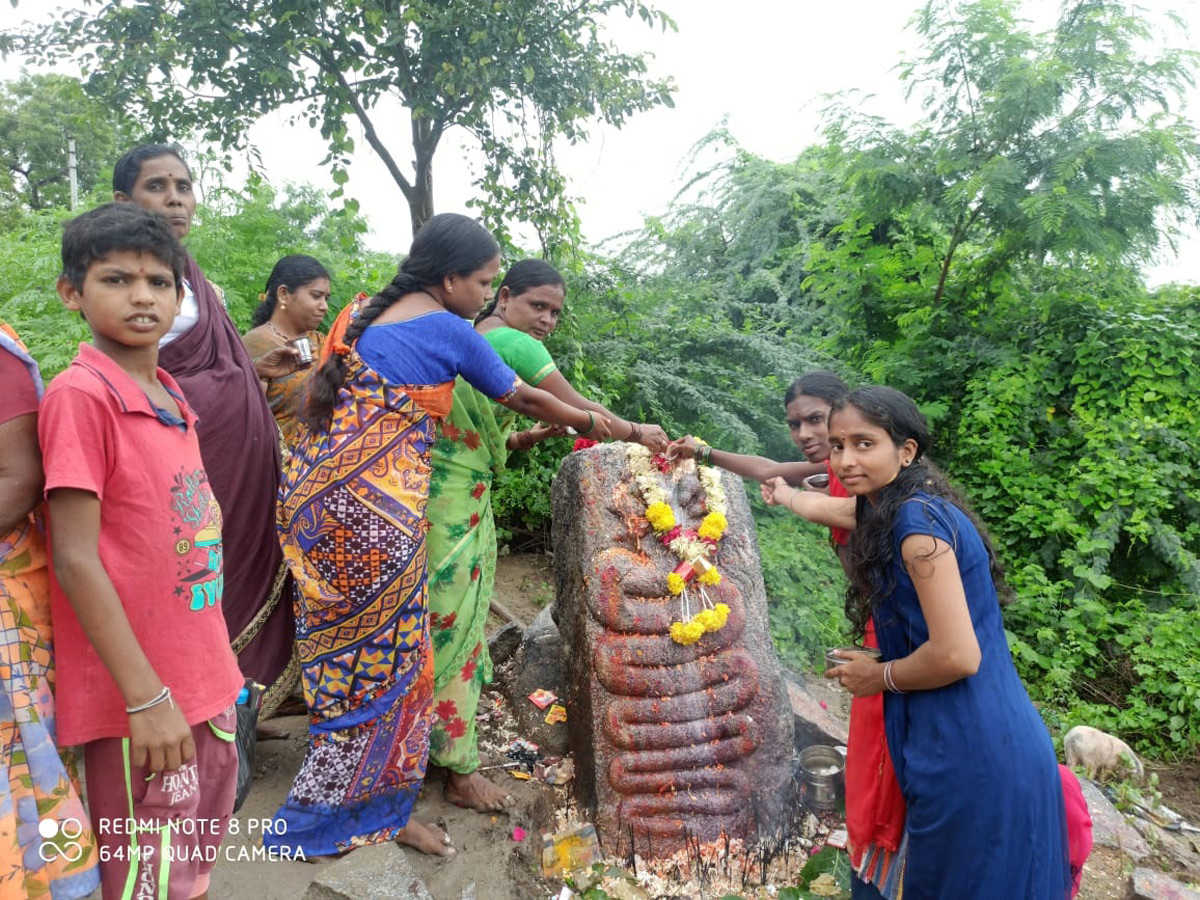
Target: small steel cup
(818,482)
(304,353)
(832,661)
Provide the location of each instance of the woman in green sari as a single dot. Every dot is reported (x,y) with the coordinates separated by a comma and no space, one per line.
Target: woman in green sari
(473,445)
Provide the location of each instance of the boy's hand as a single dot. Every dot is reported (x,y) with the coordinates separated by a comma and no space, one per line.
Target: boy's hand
(159,738)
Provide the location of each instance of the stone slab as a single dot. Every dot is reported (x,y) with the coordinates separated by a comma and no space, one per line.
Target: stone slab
(813,723)
(380,872)
(1109,828)
(671,741)
(1151,885)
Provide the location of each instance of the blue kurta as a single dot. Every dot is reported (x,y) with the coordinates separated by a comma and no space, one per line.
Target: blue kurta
(973,759)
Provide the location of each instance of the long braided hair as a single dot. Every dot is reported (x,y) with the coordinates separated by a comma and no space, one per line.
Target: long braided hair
(872,550)
(448,244)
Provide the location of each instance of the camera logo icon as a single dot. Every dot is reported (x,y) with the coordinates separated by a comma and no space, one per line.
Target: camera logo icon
(60,840)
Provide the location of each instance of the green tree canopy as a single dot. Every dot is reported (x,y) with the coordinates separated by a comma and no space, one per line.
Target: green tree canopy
(39,114)
(516,75)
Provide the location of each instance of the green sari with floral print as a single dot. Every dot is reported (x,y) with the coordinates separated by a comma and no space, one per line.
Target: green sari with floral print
(462,548)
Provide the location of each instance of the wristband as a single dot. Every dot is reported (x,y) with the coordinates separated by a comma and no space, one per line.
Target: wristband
(164,696)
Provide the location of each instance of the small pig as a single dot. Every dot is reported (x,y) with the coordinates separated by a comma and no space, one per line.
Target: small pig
(1099,753)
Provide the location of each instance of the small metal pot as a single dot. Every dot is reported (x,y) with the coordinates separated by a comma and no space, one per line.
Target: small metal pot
(822,773)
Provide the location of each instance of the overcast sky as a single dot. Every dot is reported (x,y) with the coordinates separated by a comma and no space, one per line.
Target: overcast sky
(764,65)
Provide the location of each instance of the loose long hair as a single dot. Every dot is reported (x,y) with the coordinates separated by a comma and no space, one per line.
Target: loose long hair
(872,550)
(292,272)
(448,244)
(523,276)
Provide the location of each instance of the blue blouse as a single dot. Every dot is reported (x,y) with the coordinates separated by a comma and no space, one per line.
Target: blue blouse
(433,349)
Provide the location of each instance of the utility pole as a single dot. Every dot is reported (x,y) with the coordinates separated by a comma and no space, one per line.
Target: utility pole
(72,171)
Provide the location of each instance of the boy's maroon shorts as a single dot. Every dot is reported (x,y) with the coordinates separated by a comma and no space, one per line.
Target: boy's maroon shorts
(159,835)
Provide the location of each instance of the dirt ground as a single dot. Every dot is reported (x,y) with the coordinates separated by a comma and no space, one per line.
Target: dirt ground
(491,863)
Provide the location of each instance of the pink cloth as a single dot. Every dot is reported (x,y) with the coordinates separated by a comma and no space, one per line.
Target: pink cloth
(1079,825)
(160,543)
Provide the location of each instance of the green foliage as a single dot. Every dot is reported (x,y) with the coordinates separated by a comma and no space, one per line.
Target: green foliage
(39,114)
(516,76)
(236,240)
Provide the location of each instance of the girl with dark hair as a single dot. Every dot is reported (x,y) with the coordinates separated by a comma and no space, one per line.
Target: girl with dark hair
(352,519)
(292,309)
(239,441)
(975,762)
(473,445)
(874,805)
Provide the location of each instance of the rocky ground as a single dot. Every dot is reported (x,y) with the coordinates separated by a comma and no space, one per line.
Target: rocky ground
(498,854)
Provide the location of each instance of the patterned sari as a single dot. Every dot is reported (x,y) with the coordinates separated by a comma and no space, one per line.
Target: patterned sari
(352,521)
(38,783)
(286,393)
(462,548)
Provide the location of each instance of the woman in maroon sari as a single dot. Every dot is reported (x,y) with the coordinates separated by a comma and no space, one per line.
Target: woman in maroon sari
(239,440)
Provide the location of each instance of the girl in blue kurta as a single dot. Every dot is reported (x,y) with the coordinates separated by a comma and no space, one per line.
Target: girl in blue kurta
(972,756)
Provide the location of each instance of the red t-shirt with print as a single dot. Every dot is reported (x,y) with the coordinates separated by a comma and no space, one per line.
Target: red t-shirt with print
(160,543)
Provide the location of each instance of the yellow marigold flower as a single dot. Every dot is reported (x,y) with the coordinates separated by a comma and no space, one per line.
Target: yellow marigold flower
(721,611)
(713,526)
(706,618)
(660,517)
(675,583)
(686,632)
(711,577)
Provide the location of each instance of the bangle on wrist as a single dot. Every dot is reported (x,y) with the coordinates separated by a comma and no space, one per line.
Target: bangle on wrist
(888,681)
(164,696)
(591,422)
(635,433)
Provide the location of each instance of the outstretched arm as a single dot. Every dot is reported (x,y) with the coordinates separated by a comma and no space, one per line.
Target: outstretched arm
(650,436)
(756,468)
(545,407)
(832,512)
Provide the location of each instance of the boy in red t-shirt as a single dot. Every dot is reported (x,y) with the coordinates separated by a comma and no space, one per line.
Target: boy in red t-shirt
(147,681)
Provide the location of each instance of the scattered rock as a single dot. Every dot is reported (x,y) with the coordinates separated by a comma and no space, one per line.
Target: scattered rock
(812,722)
(1109,828)
(1151,885)
(379,872)
(537,663)
(504,643)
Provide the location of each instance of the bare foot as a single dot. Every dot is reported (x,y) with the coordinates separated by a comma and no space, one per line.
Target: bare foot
(473,791)
(426,838)
(265,732)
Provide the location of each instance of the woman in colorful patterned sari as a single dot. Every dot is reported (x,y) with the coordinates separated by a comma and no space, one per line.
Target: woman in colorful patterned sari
(473,445)
(352,519)
(38,785)
(293,308)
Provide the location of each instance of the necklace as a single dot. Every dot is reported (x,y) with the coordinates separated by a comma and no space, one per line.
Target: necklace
(279,334)
(694,548)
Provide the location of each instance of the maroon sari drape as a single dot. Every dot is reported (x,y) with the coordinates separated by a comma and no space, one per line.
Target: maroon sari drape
(239,443)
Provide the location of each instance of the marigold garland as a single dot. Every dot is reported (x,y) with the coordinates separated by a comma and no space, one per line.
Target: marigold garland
(693,547)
